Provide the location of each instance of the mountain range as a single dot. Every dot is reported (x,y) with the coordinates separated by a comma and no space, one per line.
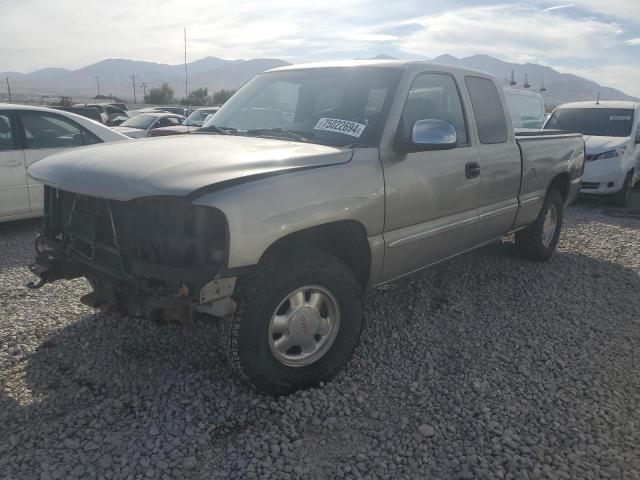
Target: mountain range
(115,78)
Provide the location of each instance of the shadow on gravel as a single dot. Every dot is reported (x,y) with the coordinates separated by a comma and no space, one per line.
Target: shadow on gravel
(506,360)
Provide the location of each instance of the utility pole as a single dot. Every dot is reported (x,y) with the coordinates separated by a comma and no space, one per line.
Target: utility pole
(133,82)
(144,86)
(98,82)
(8,89)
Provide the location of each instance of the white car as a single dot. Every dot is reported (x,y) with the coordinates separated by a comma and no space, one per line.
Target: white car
(612,139)
(139,126)
(29,134)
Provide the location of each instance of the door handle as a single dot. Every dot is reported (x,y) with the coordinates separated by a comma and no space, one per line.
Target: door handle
(472,170)
(10,163)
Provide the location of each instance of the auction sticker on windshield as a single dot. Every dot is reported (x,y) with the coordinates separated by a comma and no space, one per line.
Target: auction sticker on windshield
(336,125)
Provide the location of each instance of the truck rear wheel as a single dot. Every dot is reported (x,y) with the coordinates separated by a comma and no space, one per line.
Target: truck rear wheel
(298,319)
(538,241)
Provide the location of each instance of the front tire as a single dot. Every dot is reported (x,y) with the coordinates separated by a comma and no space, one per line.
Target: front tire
(538,241)
(298,319)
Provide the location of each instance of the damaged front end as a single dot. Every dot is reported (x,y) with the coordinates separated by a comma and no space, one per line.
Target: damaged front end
(158,257)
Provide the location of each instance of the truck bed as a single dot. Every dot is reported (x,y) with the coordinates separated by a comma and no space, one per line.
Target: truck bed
(545,154)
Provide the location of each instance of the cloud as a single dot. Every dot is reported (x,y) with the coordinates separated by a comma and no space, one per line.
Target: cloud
(80,32)
(622,77)
(627,10)
(558,7)
(511,32)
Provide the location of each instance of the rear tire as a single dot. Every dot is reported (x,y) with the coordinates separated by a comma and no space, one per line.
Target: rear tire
(538,241)
(621,199)
(279,303)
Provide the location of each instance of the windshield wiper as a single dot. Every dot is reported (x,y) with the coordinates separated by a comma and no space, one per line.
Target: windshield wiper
(279,132)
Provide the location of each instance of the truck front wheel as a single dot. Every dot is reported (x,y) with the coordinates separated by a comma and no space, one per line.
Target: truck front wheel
(298,319)
(539,240)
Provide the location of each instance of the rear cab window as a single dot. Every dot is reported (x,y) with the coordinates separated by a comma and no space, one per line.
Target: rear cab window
(488,110)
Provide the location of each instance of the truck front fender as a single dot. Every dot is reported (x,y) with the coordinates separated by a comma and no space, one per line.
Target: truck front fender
(261,212)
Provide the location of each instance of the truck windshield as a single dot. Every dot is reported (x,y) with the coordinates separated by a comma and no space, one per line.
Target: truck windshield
(527,111)
(336,106)
(600,122)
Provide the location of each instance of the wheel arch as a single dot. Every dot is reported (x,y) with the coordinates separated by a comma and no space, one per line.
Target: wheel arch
(345,239)
(562,183)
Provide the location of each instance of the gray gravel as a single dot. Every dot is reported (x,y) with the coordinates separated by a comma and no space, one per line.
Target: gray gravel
(484,367)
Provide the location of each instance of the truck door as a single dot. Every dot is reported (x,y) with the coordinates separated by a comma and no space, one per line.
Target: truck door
(499,159)
(14,199)
(431,196)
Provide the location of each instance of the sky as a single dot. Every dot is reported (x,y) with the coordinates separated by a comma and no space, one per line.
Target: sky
(597,39)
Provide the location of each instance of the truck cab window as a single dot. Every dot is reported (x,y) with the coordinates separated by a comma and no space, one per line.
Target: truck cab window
(489,113)
(434,96)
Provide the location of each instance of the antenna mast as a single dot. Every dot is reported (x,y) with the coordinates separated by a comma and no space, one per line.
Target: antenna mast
(186,78)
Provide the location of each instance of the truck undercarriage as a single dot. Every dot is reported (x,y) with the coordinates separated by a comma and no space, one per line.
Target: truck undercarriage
(151,257)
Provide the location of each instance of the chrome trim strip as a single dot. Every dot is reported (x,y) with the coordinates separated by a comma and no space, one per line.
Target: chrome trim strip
(428,233)
(497,212)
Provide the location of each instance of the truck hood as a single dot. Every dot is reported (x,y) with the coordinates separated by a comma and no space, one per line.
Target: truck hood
(596,144)
(176,165)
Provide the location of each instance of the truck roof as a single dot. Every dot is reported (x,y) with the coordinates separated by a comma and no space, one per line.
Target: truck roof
(601,104)
(398,64)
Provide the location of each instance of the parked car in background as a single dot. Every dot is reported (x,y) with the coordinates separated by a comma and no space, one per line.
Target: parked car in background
(111,115)
(191,124)
(88,112)
(177,109)
(119,105)
(141,125)
(612,137)
(311,184)
(27,135)
(526,108)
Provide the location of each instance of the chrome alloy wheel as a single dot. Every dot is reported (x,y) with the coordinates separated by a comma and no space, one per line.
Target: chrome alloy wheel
(304,326)
(549,226)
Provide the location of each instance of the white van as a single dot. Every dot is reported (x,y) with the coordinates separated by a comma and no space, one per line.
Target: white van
(612,139)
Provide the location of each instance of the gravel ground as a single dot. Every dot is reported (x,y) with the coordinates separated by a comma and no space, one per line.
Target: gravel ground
(483,367)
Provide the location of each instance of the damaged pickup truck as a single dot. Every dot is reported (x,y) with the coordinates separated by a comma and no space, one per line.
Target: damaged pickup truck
(310,185)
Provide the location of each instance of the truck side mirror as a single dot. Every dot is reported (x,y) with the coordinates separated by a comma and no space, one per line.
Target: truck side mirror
(430,134)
